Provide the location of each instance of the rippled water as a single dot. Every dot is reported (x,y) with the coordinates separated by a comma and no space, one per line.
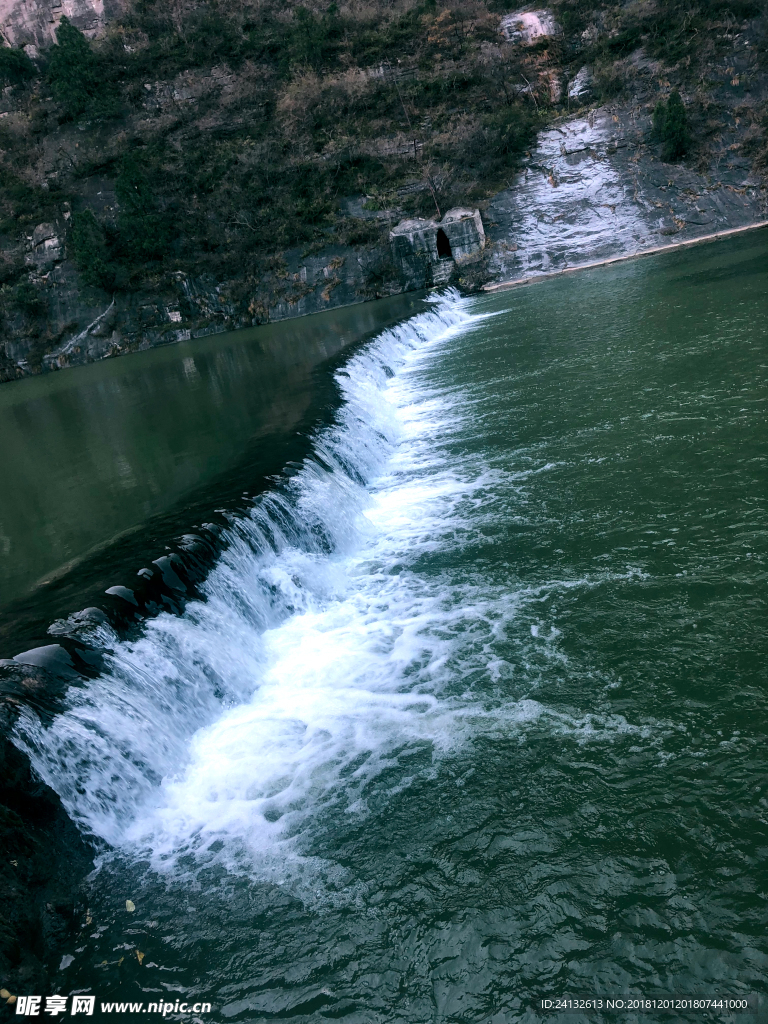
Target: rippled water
(474,710)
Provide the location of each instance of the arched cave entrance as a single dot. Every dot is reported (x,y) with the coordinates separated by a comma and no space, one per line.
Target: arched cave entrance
(443,245)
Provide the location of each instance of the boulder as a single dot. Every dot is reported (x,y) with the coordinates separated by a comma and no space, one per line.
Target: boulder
(580,89)
(45,247)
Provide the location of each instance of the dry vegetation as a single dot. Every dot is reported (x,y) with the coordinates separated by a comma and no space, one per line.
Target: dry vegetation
(231,133)
(209,137)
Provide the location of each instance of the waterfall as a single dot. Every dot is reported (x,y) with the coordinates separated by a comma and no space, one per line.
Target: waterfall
(317,659)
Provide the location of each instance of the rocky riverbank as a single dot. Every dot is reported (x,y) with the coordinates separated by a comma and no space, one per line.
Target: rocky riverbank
(592,189)
(43,856)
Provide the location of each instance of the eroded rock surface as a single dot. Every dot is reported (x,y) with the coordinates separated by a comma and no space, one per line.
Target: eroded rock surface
(34,22)
(593,189)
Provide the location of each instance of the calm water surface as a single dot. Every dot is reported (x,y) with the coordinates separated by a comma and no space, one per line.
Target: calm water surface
(91,456)
(474,711)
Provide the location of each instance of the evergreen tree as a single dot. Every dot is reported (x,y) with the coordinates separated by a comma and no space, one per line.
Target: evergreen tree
(79,81)
(670,126)
(15,66)
(659,116)
(676,136)
(145,233)
(89,248)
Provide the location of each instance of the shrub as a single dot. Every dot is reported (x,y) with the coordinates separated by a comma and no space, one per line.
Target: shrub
(27,300)
(15,66)
(90,252)
(670,126)
(609,79)
(77,77)
(510,131)
(143,231)
(210,37)
(353,231)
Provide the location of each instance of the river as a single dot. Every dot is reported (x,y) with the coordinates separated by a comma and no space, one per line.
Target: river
(472,710)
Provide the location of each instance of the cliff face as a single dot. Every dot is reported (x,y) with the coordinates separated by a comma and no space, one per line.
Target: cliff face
(594,190)
(192,171)
(33,23)
(88,323)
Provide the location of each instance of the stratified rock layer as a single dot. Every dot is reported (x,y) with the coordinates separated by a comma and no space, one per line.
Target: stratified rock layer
(34,22)
(593,190)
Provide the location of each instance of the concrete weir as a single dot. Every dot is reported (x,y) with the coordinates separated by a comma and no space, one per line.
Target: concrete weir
(426,251)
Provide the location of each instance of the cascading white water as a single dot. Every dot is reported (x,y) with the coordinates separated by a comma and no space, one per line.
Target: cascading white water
(318,654)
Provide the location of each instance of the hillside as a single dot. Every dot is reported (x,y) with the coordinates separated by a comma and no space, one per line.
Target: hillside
(168,169)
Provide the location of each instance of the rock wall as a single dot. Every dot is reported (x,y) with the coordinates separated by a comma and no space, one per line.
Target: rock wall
(86,323)
(426,252)
(34,22)
(594,189)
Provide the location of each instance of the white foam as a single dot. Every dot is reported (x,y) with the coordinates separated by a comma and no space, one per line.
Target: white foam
(308,654)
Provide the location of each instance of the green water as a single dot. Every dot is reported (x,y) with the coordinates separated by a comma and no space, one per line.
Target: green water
(500,734)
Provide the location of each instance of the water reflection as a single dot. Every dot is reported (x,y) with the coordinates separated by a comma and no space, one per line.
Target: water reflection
(91,453)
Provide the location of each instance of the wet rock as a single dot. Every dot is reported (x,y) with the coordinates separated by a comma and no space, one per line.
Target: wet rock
(79,622)
(43,857)
(580,89)
(168,566)
(53,658)
(124,594)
